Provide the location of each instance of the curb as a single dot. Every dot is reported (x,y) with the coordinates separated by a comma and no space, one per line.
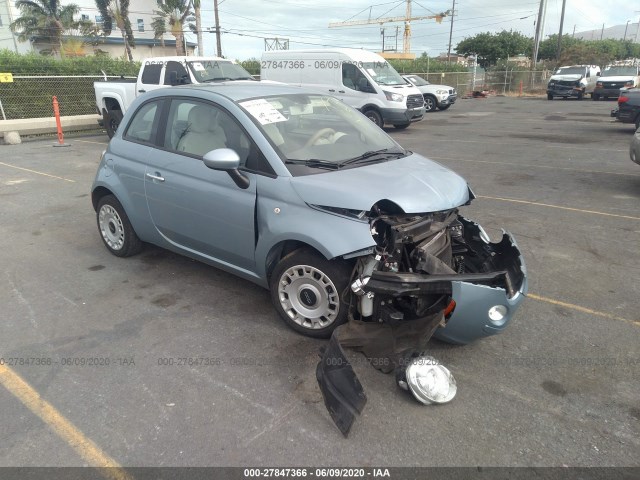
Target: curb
(37,126)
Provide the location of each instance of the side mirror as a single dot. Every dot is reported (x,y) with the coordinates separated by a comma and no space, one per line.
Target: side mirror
(226,159)
(173,78)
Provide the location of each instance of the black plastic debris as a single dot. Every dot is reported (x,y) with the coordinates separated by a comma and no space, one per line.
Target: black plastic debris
(342,392)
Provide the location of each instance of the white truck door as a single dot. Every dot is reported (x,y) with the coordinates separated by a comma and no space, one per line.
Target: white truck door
(149,78)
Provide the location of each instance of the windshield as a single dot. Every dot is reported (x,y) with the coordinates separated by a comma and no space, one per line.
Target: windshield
(218,70)
(383,73)
(320,131)
(417,81)
(570,71)
(614,71)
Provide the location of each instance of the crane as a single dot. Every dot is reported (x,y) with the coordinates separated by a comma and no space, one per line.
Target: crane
(407,19)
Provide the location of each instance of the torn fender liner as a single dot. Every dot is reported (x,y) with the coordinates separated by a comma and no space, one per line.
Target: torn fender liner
(342,392)
(386,346)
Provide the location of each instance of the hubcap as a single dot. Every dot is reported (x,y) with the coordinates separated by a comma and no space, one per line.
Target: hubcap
(429,104)
(111,227)
(308,297)
(373,118)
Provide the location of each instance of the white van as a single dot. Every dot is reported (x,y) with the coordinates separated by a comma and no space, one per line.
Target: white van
(359,78)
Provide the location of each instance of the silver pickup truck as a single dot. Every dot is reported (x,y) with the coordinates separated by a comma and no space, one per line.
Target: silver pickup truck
(113,98)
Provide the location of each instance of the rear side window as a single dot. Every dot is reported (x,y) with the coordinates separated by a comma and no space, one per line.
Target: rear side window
(182,76)
(151,74)
(141,127)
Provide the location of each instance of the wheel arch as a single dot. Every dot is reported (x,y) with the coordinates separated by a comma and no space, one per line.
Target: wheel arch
(282,249)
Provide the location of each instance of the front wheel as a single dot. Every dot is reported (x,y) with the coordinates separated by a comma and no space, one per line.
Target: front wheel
(444,107)
(595,97)
(580,95)
(430,103)
(374,116)
(401,126)
(306,290)
(549,96)
(115,229)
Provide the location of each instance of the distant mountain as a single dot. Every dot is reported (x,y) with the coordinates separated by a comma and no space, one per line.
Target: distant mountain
(616,32)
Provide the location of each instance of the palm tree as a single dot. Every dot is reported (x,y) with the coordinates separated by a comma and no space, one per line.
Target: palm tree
(117,11)
(171,18)
(46,19)
(196,8)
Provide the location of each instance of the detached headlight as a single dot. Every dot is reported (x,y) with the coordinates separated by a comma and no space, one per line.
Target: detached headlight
(394,97)
(428,381)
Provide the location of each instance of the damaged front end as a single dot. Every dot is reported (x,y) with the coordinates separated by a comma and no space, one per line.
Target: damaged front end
(429,274)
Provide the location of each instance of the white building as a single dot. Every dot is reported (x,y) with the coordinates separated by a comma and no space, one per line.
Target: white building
(140,14)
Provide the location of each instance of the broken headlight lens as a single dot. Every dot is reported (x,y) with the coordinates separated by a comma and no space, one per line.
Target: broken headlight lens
(428,381)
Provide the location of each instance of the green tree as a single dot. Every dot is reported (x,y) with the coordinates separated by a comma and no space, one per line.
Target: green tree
(171,18)
(45,19)
(117,11)
(491,47)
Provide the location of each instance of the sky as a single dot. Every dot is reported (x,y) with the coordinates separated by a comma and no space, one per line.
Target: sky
(245,23)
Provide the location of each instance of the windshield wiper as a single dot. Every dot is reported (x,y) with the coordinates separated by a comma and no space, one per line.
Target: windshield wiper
(314,163)
(216,79)
(384,152)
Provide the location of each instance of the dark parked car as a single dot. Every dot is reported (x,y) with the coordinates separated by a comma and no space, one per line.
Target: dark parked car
(628,110)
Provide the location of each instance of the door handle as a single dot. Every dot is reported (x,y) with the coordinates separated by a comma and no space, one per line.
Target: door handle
(332,89)
(340,91)
(141,91)
(158,177)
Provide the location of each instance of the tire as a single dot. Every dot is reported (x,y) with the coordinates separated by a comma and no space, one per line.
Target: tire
(401,126)
(637,122)
(430,103)
(580,95)
(112,122)
(595,97)
(444,107)
(549,96)
(306,291)
(115,229)
(374,116)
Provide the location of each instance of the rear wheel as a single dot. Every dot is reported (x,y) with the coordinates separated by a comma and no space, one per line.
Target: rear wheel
(430,103)
(374,116)
(115,229)
(306,290)
(112,122)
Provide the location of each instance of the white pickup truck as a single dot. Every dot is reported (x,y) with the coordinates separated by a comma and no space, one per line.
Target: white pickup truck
(114,97)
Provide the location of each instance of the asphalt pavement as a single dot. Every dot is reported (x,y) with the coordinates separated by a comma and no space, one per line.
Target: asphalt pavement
(158,360)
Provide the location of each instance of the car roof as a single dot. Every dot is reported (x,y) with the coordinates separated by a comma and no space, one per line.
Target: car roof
(238,90)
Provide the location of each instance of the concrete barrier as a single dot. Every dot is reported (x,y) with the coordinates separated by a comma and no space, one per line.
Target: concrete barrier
(36,126)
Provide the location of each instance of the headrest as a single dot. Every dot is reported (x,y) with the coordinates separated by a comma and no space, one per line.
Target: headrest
(199,119)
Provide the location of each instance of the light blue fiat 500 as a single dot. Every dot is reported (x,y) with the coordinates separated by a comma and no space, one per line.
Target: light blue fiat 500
(305,196)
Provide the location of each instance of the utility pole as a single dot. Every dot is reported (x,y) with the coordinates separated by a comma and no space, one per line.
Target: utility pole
(574,31)
(564,4)
(602,31)
(453,13)
(217,19)
(536,42)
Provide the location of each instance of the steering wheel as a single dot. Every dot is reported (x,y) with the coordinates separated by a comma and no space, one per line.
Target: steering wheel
(323,132)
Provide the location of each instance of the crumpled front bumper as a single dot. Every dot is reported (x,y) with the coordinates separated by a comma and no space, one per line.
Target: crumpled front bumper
(474,293)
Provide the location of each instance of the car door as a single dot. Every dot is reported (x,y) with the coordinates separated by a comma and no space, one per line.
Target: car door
(196,209)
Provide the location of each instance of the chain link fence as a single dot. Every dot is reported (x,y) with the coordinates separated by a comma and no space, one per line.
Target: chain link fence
(500,82)
(31,96)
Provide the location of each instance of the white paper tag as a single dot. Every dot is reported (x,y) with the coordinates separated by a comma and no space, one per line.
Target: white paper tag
(263,111)
(197,66)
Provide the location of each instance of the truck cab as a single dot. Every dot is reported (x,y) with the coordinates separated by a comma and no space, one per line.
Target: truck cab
(114,97)
(573,81)
(617,76)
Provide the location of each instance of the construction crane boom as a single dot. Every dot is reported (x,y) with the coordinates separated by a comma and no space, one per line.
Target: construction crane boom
(407,19)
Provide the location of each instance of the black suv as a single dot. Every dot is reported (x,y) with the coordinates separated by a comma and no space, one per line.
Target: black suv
(628,110)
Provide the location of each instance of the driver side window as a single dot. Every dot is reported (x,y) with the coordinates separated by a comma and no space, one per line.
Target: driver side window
(353,78)
(182,76)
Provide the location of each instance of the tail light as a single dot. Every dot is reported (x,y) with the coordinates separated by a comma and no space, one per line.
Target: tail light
(622,99)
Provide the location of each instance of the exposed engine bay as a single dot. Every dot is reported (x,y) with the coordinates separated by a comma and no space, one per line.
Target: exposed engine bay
(402,292)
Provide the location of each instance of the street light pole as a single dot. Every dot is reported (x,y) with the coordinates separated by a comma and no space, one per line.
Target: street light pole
(564,4)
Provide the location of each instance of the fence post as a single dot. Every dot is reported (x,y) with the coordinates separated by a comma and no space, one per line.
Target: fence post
(56,112)
(2,110)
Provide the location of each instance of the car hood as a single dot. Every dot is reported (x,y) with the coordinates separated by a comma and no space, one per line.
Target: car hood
(574,76)
(616,78)
(414,183)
